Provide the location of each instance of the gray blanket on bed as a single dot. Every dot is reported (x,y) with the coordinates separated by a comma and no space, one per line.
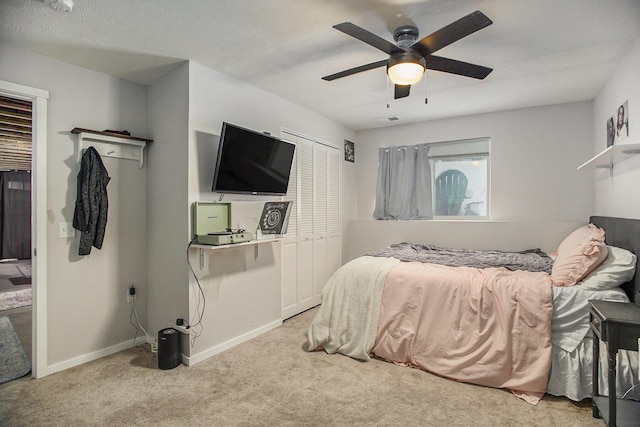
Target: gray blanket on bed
(528,260)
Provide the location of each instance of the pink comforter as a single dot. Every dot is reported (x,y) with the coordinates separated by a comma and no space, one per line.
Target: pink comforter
(490,327)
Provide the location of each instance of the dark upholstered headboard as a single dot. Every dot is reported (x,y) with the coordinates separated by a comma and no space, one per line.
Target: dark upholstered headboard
(623,233)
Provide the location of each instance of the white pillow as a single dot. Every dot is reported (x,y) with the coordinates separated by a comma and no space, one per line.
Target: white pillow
(618,268)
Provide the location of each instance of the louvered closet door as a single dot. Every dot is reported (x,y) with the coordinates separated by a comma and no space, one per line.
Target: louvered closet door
(315,252)
(290,247)
(320,277)
(297,247)
(305,235)
(334,212)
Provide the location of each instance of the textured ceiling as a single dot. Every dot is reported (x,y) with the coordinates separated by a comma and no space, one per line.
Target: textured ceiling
(542,51)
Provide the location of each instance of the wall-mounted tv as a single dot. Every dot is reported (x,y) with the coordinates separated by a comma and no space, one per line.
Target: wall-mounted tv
(251,162)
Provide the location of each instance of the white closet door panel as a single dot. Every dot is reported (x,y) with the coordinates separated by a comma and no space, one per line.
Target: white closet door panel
(305,270)
(320,190)
(305,186)
(320,275)
(315,251)
(334,227)
(292,196)
(289,279)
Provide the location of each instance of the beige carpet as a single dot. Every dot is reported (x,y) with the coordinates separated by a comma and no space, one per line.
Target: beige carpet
(269,381)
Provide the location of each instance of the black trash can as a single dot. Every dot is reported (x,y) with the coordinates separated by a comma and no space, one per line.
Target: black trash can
(169,348)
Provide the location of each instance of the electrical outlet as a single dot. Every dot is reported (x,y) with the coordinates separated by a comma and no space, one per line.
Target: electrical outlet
(130,294)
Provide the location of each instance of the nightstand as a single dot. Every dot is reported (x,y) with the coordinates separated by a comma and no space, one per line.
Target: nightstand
(618,325)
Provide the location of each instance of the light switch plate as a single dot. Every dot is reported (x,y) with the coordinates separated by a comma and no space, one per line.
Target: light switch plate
(66,230)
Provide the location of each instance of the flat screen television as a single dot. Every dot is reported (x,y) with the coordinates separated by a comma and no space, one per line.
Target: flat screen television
(251,162)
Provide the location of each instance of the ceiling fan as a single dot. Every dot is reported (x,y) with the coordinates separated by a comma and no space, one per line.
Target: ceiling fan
(409,57)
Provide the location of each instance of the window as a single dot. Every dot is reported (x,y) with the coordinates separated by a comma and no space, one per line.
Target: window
(460,178)
(436,180)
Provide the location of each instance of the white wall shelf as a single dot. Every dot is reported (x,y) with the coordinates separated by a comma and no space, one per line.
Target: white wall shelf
(611,156)
(233,245)
(111,144)
(254,243)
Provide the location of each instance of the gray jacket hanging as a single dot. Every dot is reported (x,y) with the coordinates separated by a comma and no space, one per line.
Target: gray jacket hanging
(90,216)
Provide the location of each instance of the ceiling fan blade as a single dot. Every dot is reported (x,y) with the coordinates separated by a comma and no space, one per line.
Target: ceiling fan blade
(460,68)
(367,37)
(464,26)
(401,91)
(355,70)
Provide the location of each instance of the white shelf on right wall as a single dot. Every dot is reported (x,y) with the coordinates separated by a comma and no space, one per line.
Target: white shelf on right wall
(611,156)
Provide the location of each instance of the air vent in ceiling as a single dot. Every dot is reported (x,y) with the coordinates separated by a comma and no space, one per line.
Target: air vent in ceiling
(388,119)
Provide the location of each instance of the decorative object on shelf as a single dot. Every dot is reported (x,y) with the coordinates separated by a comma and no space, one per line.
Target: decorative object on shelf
(110,143)
(611,131)
(119,132)
(275,217)
(349,151)
(622,122)
(212,225)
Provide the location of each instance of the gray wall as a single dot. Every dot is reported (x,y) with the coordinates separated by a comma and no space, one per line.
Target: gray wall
(617,195)
(536,191)
(534,156)
(87,312)
(242,292)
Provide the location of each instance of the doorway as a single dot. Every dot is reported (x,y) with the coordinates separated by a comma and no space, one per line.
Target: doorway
(30,185)
(16,124)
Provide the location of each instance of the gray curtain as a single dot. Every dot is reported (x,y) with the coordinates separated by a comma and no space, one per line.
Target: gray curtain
(15,214)
(404,183)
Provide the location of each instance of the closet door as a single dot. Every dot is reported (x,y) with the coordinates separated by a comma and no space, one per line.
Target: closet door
(312,250)
(305,230)
(320,196)
(334,211)
(289,267)
(297,247)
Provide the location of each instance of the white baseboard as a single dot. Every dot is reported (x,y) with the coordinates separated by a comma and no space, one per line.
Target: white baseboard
(61,366)
(192,360)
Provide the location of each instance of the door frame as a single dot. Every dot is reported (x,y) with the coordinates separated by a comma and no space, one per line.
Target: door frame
(39,99)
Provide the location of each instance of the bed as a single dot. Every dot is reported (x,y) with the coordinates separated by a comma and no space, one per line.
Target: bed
(512,320)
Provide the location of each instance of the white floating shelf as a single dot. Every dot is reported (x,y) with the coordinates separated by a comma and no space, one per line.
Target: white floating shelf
(612,155)
(233,245)
(254,243)
(110,144)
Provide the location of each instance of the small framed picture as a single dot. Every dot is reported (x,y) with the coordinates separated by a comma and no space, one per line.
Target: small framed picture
(621,125)
(349,151)
(611,131)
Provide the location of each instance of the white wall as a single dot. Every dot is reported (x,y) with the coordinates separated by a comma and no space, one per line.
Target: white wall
(618,195)
(87,312)
(534,156)
(242,291)
(149,228)
(168,215)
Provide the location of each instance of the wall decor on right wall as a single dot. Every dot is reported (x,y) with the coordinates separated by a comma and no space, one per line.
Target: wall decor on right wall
(622,122)
(349,151)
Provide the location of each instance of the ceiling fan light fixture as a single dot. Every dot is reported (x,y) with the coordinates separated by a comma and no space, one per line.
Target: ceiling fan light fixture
(65,6)
(406,68)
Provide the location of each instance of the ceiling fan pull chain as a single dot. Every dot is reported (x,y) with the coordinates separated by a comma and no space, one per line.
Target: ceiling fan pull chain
(426,99)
